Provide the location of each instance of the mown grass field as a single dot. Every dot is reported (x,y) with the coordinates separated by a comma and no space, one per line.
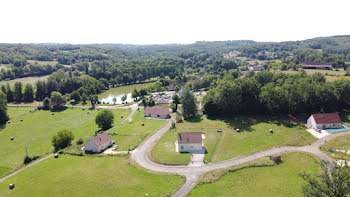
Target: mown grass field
(340,143)
(254,136)
(130,134)
(15,112)
(164,151)
(123,89)
(330,75)
(277,180)
(25,80)
(89,176)
(36,131)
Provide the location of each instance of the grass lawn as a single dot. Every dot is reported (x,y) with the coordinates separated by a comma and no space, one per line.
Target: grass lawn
(89,176)
(164,151)
(123,89)
(277,180)
(25,80)
(340,143)
(130,135)
(36,131)
(15,112)
(254,137)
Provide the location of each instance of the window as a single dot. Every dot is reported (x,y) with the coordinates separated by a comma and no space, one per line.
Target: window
(182,147)
(158,116)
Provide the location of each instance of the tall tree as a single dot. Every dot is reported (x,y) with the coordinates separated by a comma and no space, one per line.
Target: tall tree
(57,100)
(75,96)
(41,90)
(188,100)
(28,93)
(18,95)
(333,182)
(176,101)
(84,98)
(104,119)
(3,109)
(9,93)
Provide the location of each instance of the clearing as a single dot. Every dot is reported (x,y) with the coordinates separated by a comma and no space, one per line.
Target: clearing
(25,80)
(259,178)
(36,138)
(330,75)
(89,176)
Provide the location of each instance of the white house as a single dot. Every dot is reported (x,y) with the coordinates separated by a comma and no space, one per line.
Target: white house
(324,121)
(99,143)
(157,112)
(189,141)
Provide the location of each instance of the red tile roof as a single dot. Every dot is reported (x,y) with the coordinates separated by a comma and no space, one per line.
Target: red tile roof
(162,111)
(326,118)
(189,137)
(316,65)
(101,139)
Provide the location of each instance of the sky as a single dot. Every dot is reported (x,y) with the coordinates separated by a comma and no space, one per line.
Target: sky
(166,22)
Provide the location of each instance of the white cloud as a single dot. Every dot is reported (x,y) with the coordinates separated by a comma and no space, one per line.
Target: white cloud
(164,21)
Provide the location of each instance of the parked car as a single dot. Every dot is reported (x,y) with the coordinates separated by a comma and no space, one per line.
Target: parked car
(115,147)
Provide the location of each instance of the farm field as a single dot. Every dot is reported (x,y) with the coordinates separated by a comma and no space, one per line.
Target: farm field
(330,75)
(43,62)
(89,176)
(164,151)
(130,134)
(340,143)
(25,80)
(36,138)
(254,136)
(277,180)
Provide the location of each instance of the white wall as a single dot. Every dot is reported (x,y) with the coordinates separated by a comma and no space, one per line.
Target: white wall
(90,146)
(188,147)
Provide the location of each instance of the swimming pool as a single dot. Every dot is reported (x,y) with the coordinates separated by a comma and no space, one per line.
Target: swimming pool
(344,128)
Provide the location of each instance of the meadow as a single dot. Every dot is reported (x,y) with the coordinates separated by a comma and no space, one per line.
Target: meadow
(259,179)
(129,135)
(89,176)
(34,133)
(330,75)
(254,136)
(25,80)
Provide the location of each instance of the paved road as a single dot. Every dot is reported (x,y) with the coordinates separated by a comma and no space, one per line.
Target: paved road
(140,155)
(22,169)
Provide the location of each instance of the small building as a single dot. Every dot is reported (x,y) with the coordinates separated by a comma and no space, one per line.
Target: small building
(189,141)
(324,121)
(99,143)
(157,112)
(256,68)
(317,65)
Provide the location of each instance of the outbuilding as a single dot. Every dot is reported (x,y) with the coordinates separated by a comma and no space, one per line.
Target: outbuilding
(99,143)
(324,121)
(189,141)
(157,112)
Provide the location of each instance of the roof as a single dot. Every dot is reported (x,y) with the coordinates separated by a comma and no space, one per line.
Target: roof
(101,139)
(317,64)
(163,111)
(189,137)
(326,118)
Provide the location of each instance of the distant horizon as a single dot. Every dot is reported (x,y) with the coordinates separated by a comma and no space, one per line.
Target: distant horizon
(136,44)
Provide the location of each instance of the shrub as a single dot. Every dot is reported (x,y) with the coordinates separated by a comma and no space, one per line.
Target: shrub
(62,139)
(80,141)
(27,159)
(46,104)
(173,126)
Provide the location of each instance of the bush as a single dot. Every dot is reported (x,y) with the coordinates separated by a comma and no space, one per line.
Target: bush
(173,126)
(57,100)
(178,117)
(104,119)
(27,159)
(80,141)
(46,104)
(62,139)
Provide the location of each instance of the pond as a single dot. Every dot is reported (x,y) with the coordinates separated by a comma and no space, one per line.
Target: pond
(109,98)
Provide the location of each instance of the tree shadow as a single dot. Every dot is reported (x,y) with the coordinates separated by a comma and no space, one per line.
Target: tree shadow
(2,126)
(344,116)
(59,109)
(195,119)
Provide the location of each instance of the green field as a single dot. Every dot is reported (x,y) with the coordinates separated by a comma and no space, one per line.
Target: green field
(340,143)
(123,89)
(164,151)
(330,75)
(254,137)
(278,180)
(89,176)
(130,135)
(15,112)
(36,131)
(25,80)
